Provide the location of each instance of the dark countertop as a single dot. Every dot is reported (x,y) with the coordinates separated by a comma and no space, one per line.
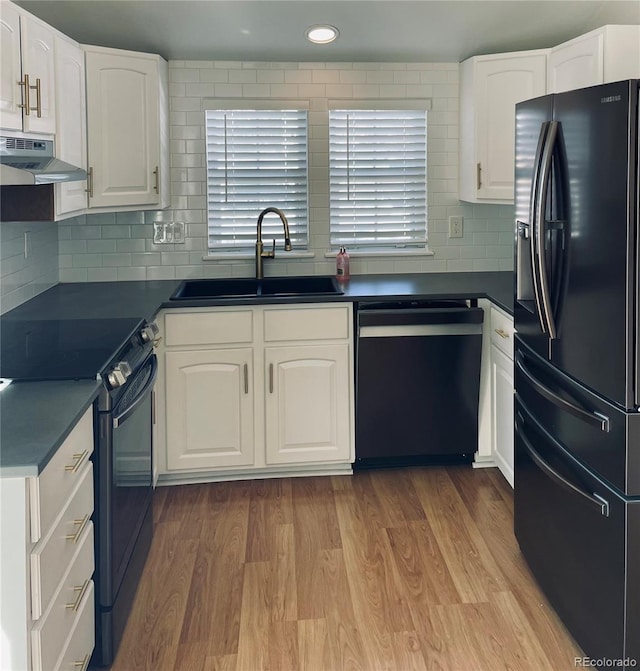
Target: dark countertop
(497,286)
(35,419)
(87,300)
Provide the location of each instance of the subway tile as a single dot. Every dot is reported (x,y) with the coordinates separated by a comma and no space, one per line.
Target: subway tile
(124,274)
(161,273)
(102,274)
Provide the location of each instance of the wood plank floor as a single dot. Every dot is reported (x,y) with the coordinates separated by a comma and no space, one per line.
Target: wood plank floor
(407,569)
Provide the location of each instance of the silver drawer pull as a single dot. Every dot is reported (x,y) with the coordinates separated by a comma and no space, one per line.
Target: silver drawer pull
(501,333)
(82,591)
(81,525)
(82,664)
(79,458)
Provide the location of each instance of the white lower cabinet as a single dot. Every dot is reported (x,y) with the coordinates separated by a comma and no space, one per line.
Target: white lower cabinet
(47,603)
(307,404)
(256,390)
(210,408)
(502,411)
(495,420)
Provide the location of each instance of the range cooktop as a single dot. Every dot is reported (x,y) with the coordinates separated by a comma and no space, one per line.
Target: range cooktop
(69,349)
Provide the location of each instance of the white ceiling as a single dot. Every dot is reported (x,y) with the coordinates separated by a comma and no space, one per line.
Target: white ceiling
(370,30)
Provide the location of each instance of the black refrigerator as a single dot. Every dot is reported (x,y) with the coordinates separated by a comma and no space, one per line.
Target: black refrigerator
(577,362)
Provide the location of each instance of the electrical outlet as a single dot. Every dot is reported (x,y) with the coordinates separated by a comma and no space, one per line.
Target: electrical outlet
(455,226)
(166,233)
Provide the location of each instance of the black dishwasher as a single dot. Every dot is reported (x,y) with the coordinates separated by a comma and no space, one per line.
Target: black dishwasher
(417,382)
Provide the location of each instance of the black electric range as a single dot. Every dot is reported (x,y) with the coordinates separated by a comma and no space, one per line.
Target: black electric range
(66,349)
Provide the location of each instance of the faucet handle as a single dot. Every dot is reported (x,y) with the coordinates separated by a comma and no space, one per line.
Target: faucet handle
(271,254)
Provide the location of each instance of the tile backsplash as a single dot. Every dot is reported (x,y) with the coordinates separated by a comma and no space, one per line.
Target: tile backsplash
(110,247)
(28,261)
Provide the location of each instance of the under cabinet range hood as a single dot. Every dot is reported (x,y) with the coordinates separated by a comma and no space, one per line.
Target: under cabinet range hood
(31,161)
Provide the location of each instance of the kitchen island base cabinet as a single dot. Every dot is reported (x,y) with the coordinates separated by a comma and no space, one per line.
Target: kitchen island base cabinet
(255,392)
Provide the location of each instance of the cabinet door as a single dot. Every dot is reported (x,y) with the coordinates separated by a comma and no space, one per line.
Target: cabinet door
(577,64)
(307,404)
(209,400)
(502,404)
(123,128)
(37,40)
(71,126)
(500,84)
(10,71)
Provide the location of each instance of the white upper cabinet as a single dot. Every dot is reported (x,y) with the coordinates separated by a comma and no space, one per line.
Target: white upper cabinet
(71,123)
(608,54)
(490,87)
(127,120)
(27,81)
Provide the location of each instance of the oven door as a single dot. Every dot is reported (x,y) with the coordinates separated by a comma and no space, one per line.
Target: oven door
(124,478)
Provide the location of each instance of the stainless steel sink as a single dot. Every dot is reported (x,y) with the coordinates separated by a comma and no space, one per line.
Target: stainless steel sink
(247,287)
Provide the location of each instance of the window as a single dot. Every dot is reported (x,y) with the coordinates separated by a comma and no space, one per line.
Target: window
(255,159)
(378,178)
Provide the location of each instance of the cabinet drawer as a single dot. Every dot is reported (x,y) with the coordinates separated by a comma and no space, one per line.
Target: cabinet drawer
(209,328)
(502,332)
(50,634)
(316,323)
(80,643)
(51,557)
(52,487)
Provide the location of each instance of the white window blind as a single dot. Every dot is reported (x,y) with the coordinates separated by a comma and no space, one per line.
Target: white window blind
(378,178)
(256,159)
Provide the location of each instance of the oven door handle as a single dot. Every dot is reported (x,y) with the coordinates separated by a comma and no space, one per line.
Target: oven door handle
(131,408)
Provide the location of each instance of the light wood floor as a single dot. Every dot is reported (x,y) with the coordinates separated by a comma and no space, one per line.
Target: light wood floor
(402,569)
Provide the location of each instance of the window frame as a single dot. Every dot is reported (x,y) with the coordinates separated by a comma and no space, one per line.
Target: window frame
(272,226)
(422,105)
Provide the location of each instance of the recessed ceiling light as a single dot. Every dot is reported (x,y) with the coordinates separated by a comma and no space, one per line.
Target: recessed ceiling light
(321,34)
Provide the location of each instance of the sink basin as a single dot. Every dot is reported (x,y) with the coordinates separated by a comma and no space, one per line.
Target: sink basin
(247,287)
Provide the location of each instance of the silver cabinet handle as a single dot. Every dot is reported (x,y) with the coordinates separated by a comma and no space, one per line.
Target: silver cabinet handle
(246,378)
(271,378)
(501,333)
(38,107)
(478,175)
(26,88)
(156,173)
(89,188)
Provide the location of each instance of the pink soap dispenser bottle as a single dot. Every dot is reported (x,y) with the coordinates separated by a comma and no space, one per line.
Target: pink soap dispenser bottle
(342,265)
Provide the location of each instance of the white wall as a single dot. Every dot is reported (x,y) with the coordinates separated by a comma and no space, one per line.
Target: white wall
(117,247)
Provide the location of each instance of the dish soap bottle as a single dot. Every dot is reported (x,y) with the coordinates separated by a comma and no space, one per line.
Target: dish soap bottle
(342,265)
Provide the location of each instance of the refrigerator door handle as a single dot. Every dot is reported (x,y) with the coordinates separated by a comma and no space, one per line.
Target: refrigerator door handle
(593,418)
(540,209)
(534,224)
(592,499)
